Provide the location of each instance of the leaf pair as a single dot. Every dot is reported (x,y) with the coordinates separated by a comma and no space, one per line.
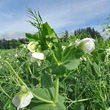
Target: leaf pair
(68,59)
(47,92)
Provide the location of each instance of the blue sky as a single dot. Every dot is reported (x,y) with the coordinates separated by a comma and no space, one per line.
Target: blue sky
(60,14)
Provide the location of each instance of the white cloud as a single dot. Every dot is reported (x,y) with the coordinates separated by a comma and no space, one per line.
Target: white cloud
(18,26)
(12,35)
(61,15)
(73,14)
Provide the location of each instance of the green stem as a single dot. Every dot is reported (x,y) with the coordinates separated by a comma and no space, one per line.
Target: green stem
(101,96)
(41,99)
(77,101)
(14,72)
(89,60)
(55,59)
(57,80)
(56,90)
(81,100)
(66,76)
(5,92)
(22,82)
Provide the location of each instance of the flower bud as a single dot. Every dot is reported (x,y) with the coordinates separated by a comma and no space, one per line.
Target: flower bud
(31,46)
(108,51)
(86,44)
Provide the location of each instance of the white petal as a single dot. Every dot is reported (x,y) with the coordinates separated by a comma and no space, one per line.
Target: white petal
(38,62)
(88,47)
(108,51)
(22,99)
(33,59)
(86,44)
(37,55)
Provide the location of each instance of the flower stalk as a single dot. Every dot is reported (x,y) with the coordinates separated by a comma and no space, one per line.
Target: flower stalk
(55,99)
(56,90)
(5,92)
(22,82)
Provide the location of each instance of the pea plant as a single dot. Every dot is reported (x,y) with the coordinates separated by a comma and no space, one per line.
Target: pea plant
(55,60)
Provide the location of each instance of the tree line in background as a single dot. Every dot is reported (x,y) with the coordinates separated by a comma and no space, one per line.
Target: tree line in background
(80,33)
(10,44)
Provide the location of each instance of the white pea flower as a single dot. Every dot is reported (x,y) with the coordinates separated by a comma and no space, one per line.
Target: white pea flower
(37,57)
(22,99)
(31,46)
(86,44)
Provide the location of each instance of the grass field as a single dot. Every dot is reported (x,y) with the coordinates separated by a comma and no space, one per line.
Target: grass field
(85,88)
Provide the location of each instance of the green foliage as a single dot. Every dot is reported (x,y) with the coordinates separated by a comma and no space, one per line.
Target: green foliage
(66,79)
(57,106)
(37,20)
(87,81)
(45,36)
(69,60)
(46,81)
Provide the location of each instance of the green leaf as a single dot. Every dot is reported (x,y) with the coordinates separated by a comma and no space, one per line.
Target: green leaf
(59,70)
(29,35)
(47,30)
(96,69)
(45,36)
(46,81)
(37,36)
(57,106)
(58,52)
(68,60)
(71,53)
(43,93)
(72,64)
(78,106)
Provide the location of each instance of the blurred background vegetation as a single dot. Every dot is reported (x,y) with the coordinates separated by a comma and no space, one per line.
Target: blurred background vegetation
(80,33)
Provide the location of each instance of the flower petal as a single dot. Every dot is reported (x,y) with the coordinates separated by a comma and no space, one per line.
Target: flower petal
(22,99)
(86,44)
(37,55)
(108,51)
